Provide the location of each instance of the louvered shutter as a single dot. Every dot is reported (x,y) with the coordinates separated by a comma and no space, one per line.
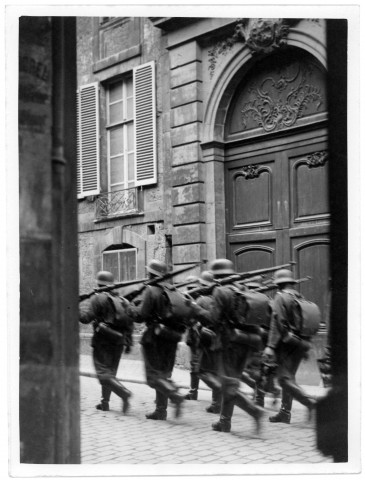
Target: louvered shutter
(145,124)
(88,140)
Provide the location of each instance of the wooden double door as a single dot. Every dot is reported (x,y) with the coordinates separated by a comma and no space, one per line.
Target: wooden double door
(277,207)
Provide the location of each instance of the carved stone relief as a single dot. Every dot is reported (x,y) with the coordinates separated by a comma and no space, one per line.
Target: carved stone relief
(250,171)
(317,159)
(261,35)
(280,100)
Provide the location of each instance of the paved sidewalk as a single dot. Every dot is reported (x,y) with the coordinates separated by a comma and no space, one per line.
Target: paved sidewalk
(114,438)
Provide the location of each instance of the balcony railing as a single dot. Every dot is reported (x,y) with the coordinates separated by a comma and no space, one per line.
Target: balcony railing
(121,202)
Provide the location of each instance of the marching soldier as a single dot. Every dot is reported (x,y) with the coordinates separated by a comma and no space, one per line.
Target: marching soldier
(193,342)
(159,342)
(209,343)
(287,345)
(113,328)
(233,356)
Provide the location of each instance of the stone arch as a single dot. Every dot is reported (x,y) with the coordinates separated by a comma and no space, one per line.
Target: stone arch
(234,71)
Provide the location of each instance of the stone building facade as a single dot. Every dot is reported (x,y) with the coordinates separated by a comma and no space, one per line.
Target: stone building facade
(240,140)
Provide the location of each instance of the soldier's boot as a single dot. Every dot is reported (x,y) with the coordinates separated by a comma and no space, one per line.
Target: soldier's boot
(122,392)
(248,406)
(283,416)
(105,397)
(224,422)
(215,406)
(292,390)
(160,412)
(168,389)
(194,385)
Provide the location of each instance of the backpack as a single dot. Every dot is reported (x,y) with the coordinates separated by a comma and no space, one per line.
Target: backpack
(258,310)
(251,308)
(307,316)
(179,311)
(122,320)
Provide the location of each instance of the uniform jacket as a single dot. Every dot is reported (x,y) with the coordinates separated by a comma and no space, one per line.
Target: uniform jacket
(283,320)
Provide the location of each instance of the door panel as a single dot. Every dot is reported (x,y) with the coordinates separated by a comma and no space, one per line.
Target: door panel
(278,210)
(253,255)
(308,182)
(311,254)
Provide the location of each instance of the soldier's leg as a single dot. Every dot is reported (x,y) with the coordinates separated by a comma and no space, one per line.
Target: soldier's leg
(243,402)
(290,361)
(229,391)
(194,378)
(213,382)
(160,412)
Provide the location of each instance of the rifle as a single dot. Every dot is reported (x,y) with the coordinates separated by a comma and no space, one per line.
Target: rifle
(156,280)
(195,292)
(184,284)
(273,285)
(108,288)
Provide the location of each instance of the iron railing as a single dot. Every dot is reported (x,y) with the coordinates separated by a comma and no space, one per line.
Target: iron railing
(116,203)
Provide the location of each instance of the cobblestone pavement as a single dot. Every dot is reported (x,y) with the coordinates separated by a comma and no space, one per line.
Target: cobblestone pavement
(114,438)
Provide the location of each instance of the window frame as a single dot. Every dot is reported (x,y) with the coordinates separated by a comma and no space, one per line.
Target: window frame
(124,124)
(118,251)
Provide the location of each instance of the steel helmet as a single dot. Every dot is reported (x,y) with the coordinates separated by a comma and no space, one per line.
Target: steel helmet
(104,278)
(206,277)
(193,281)
(254,282)
(222,266)
(156,267)
(283,276)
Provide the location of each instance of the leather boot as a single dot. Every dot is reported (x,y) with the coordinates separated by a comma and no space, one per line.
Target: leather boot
(105,397)
(282,417)
(103,405)
(224,422)
(248,406)
(194,385)
(122,392)
(161,408)
(215,406)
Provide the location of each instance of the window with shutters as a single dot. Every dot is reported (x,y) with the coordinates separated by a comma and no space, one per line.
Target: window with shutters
(88,140)
(122,263)
(131,141)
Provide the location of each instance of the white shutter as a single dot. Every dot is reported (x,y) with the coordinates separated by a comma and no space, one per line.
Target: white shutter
(88,140)
(145,124)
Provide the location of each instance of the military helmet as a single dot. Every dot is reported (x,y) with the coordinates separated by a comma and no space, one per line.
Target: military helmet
(222,266)
(283,276)
(156,267)
(104,278)
(254,282)
(206,277)
(193,281)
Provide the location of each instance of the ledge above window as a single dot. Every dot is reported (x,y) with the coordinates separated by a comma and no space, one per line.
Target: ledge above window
(120,57)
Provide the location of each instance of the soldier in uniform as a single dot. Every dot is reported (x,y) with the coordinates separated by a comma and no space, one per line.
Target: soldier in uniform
(288,355)
(159,343)
(233,356)
(193,342)
(107,350)
(209,345)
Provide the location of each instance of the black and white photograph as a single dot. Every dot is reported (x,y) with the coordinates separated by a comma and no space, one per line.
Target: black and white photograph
(182,270)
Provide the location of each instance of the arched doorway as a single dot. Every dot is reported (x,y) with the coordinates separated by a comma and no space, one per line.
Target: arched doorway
(276,169)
